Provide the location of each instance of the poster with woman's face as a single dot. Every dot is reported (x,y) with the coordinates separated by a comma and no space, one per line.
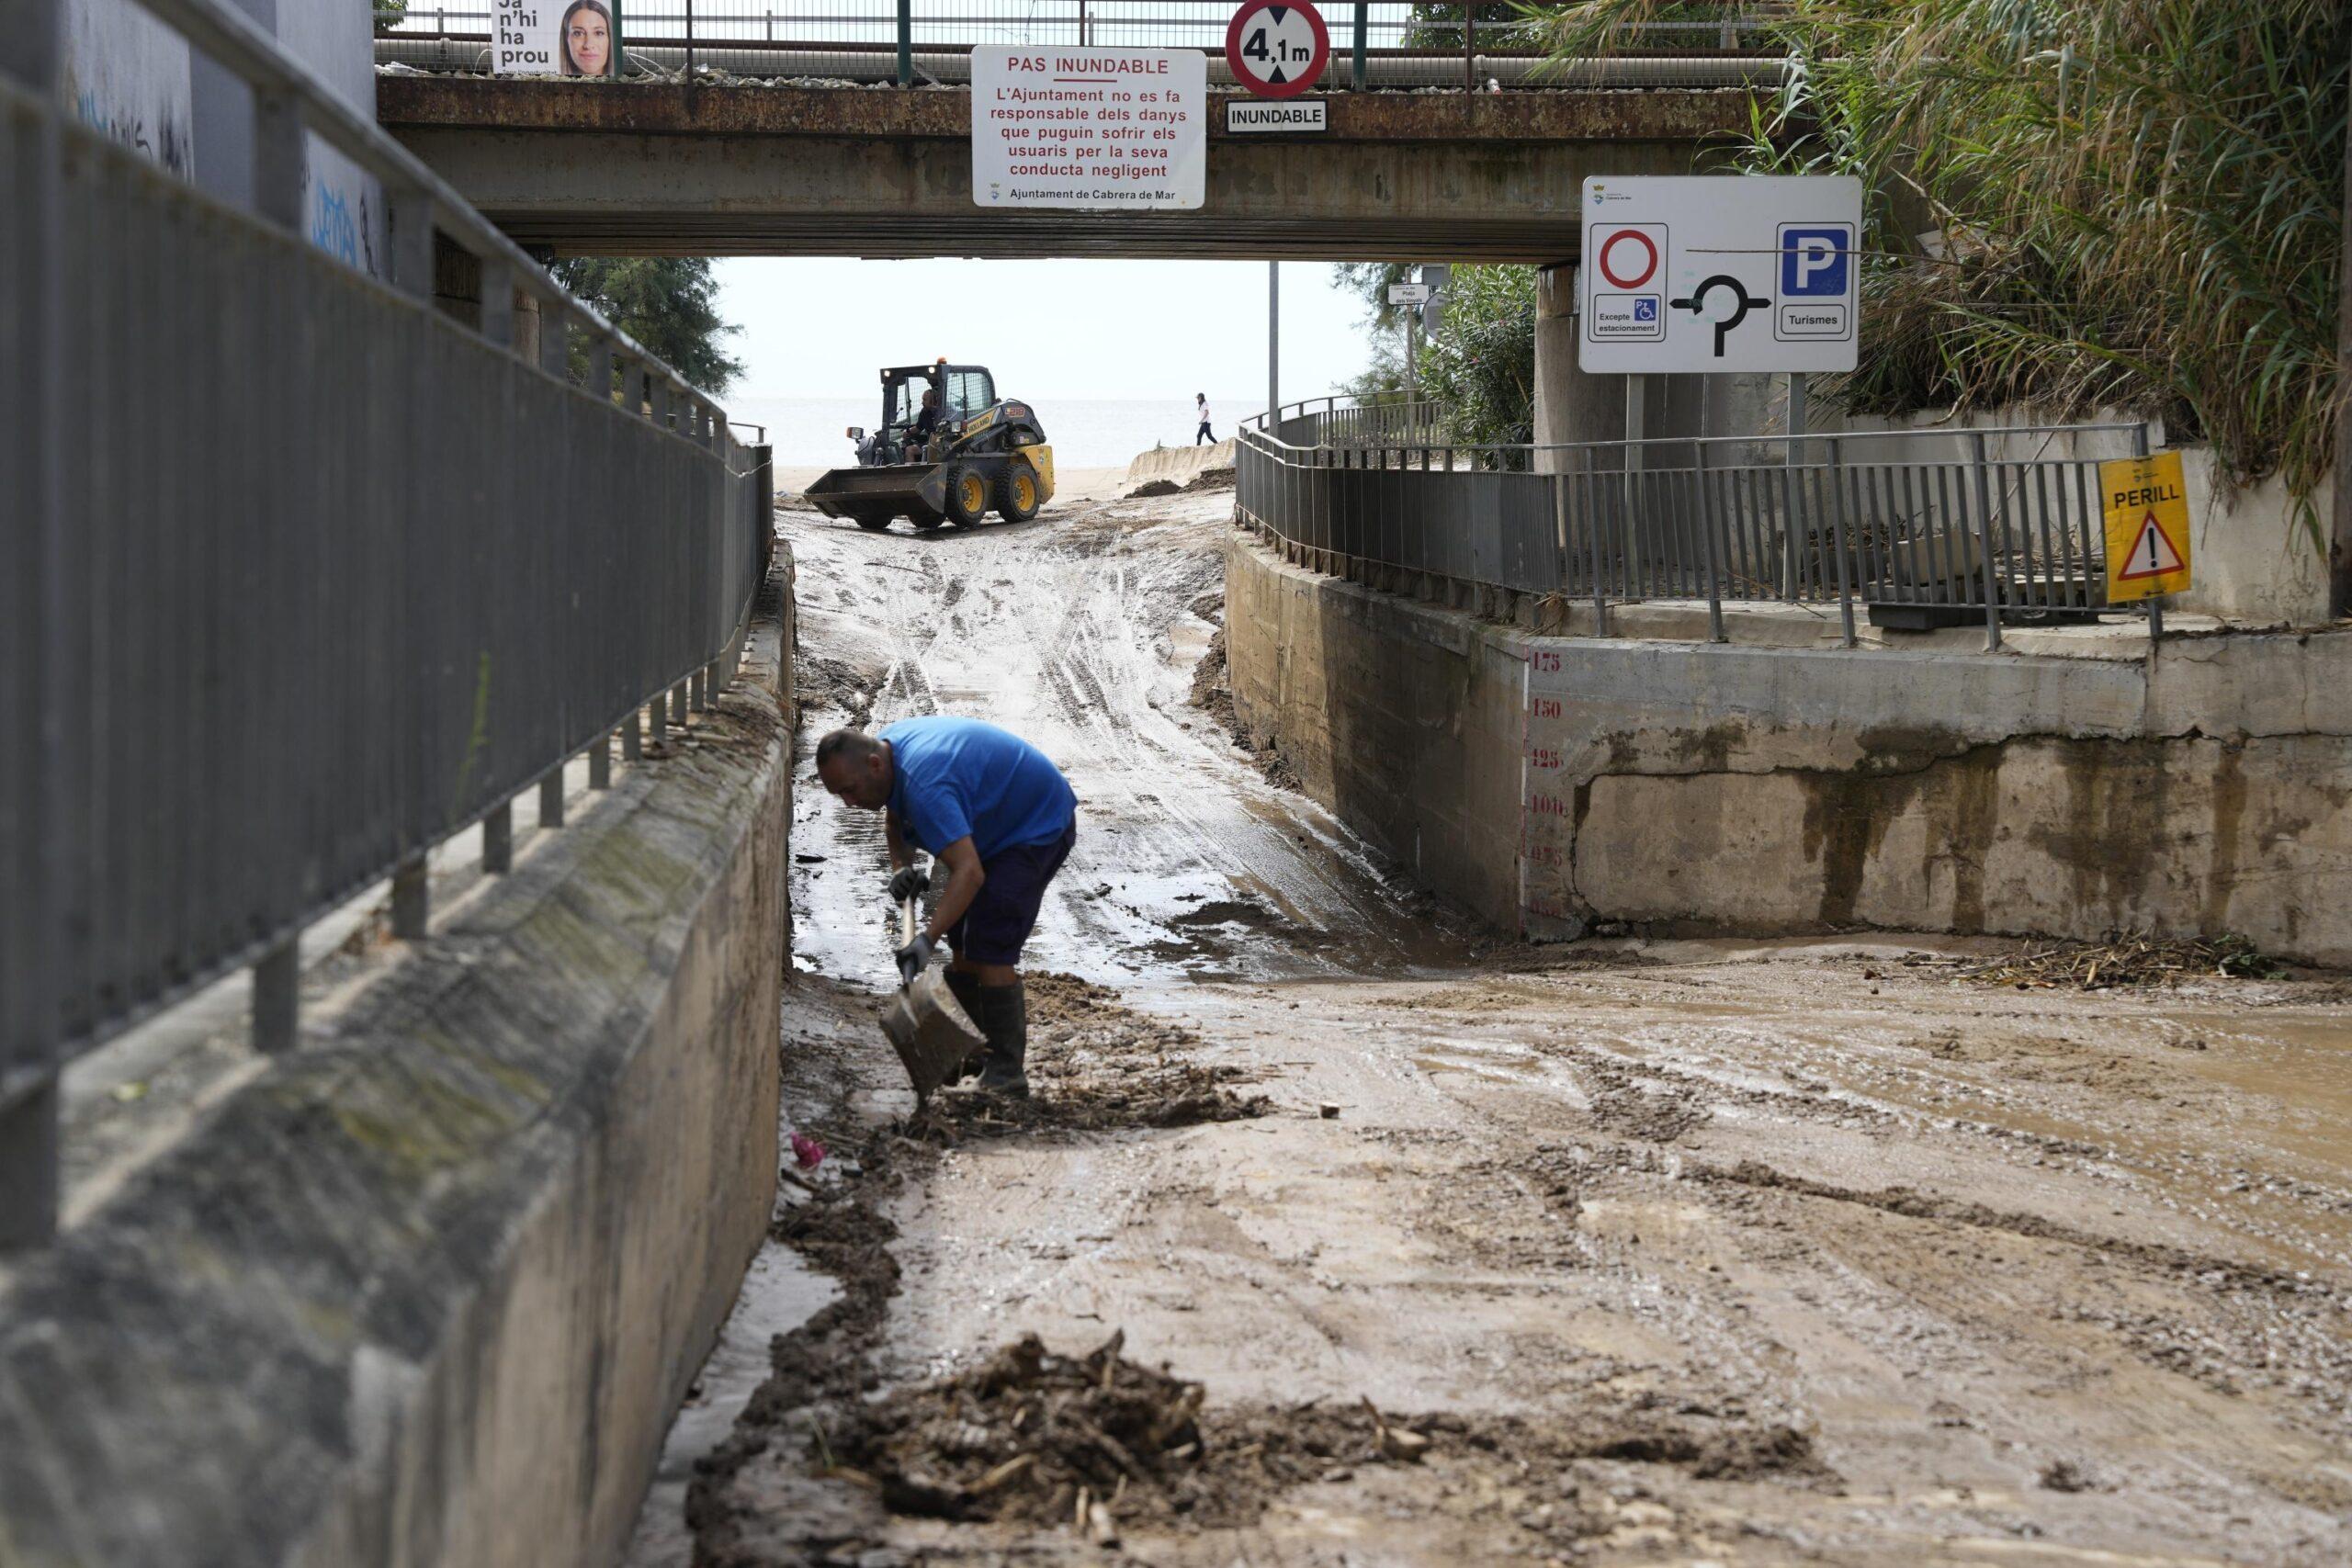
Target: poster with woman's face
(555,38)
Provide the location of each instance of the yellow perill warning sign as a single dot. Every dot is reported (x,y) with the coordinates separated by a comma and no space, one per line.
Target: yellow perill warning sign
(2146,501)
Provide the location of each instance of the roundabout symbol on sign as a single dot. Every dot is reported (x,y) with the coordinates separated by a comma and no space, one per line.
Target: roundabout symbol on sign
(1277,49)
(1648,268)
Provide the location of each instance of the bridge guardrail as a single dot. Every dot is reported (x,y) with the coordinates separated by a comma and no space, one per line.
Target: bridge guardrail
(1478,48)
(1992,522)
(307,575)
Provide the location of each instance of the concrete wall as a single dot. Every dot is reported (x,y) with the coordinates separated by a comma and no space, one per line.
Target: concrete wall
(428,1290)
(1555,782)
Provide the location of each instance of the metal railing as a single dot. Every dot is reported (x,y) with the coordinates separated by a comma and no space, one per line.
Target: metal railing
(306,573)
(1482,47)
(2000,523)
(1384,421)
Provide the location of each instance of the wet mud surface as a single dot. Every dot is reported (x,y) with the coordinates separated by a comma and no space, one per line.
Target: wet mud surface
(1339,1233)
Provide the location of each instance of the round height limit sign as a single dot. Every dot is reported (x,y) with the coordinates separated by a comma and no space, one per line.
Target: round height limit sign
(1277,51)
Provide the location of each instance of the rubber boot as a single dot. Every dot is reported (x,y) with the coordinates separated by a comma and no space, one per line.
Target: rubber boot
(966,987)
(1005,1017)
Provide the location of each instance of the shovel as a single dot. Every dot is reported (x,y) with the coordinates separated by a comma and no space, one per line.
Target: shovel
(927,1026)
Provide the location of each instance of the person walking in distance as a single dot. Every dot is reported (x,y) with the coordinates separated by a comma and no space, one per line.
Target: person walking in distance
(1201,406)
(997,813)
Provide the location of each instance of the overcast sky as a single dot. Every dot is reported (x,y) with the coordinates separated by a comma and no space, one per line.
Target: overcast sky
(820,328)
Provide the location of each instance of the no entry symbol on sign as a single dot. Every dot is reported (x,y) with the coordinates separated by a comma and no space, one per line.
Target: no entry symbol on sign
(1628,257)
(1277,51)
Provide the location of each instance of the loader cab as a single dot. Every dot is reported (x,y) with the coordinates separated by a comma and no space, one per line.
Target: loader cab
(964,390)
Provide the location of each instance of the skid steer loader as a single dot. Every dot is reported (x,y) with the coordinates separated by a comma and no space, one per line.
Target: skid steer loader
(986,455)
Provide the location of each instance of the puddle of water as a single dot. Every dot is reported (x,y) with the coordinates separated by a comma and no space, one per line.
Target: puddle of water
(780,1292)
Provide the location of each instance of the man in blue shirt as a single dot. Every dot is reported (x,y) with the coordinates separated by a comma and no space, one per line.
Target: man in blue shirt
(999,815)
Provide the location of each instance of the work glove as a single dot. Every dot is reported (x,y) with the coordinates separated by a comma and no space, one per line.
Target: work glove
(912,957)
(909,881)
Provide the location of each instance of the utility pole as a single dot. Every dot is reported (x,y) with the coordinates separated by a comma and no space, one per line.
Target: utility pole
(1274,344)
(2339,562)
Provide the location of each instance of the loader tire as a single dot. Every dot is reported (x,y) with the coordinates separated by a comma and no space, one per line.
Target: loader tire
(967,495)
(1019,492)
(872,522)
(925,520)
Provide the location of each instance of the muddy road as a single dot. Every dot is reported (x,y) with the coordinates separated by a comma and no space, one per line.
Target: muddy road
(1344,1233)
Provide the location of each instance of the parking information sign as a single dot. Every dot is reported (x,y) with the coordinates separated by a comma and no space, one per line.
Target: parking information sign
(1097,130)
(1738,271)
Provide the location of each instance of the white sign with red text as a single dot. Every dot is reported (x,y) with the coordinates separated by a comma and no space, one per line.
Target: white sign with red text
(1096,129)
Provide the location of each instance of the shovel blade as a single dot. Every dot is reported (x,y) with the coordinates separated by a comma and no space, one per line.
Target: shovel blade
(930,1032)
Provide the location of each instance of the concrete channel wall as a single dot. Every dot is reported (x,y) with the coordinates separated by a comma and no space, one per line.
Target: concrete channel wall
(1557,783)
(428,1290)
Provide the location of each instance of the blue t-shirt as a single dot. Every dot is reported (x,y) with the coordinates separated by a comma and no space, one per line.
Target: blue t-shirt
(957,776)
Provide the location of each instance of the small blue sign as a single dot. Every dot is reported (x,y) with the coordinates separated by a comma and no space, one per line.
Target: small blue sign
(1645,308)
(1814,262)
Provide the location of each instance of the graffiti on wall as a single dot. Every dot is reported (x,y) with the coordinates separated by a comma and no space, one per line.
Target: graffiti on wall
(127,77)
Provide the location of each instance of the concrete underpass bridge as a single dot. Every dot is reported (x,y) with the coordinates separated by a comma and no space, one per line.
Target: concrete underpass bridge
(842,171)
(1473,154)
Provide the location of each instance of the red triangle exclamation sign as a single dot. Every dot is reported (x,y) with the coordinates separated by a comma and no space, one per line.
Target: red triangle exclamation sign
(2153,553)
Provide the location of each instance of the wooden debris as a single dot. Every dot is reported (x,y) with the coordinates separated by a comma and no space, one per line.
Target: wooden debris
(1396,1442)
(2128,961)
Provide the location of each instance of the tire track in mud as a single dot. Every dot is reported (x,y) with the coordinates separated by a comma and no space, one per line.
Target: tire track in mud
(1603,1241)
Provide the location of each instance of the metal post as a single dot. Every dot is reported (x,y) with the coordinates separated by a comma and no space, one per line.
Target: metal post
(699,690)
(1356,74)
(498,838)
(555,342)
(1273,347)
(690,56)
(906,43)
(1636,417)
(1838,543)
(551,800)
(1985,546)
(498,301)
(28,1167)
(2155,602)
(278,154)
(2340,546)
(600,763)
(1791,460)
(412,221)
(278,999)
(31,51)
(657,720)
(678,705)
(1413,357)
(412,900)
(1469,44)
(1707,544)
(632,737)
(1592,533)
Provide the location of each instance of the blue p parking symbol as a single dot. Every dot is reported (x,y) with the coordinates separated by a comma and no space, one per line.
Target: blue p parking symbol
(1814,262)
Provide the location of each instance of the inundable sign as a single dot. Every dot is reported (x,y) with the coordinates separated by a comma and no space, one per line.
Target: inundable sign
(1277,48)
(2147,503)
(1092,129)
